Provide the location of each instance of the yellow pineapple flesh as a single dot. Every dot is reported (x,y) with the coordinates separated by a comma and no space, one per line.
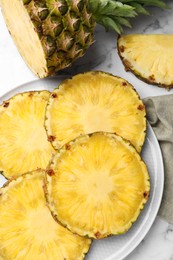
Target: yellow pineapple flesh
(49,34)
(27,228)
(23,141)
(149,57)
(92,102)
(97,185)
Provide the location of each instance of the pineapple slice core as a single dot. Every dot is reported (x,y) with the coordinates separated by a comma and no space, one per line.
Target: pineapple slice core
(97,185)
(27,228)
(25,36)
(93,102)
(23,141)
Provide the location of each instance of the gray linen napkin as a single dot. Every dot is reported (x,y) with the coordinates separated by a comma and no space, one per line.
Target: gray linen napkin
(160,116)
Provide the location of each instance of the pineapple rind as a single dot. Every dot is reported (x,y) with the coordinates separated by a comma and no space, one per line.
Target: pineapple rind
(156,67)
(52,241)
(67,109)
(18,155)
(77,227)
(62,32)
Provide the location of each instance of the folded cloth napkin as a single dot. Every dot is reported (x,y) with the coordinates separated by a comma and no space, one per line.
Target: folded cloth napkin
(160,116)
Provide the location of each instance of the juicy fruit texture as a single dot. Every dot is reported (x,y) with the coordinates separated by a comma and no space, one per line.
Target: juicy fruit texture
(49,34)
(23,141)
(97,185)
(27,228)
(149,57)
(93,102)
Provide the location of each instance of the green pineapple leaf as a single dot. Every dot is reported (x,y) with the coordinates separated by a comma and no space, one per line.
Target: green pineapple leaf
(139,8)
(111,7)
(123,21)
(108,22)
(112,14)
(115,14)
(157,3)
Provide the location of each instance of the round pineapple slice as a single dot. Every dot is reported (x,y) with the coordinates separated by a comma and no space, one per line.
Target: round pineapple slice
(23,141)
(27,228)
(97,185)
(93,102)
(149,57)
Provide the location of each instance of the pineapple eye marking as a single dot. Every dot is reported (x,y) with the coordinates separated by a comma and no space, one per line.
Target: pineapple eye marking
(122,48)
(67,146)
(146,194)
(124,83)
(50,172)
(97,235)
(152,77)
(141,107)
(51,138)
(127,64)
(54,95)
(30,94)
(6,104)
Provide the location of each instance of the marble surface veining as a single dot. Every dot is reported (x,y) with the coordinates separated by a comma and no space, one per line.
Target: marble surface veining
(102,55)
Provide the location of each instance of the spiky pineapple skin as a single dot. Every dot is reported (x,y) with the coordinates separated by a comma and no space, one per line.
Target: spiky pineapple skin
(65,29)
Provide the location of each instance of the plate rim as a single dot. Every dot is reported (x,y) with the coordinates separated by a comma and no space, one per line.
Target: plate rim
(18,89)
(153,218)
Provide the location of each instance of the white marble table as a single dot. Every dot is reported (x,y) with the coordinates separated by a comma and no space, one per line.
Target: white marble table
(158,244)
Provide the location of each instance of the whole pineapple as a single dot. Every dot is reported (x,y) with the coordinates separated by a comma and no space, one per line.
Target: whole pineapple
(51,34)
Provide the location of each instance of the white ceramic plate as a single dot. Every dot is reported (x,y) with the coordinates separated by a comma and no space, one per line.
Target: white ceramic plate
(118,247)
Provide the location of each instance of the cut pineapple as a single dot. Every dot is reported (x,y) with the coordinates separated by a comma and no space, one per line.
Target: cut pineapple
(23,141)
(97,185)
(149,57)
(27,228)
(50,34)
(92,102)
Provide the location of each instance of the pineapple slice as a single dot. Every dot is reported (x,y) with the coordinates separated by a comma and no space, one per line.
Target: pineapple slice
(27,228)
(93,102)
(97,185)
(23,141)
(149,57)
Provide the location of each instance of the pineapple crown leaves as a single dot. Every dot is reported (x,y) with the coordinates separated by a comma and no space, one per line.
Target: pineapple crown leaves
(115,14)
(140,5)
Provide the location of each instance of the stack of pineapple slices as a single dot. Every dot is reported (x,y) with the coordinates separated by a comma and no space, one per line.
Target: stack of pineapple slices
(95,184)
